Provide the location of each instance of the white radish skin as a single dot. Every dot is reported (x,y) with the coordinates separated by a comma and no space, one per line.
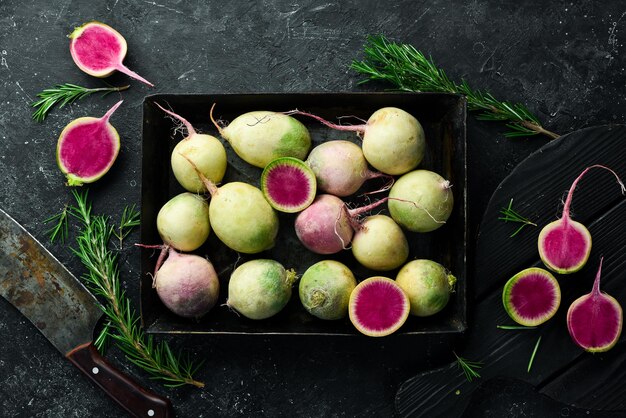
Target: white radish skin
(187,284)
(380,244)
(262,136)
(340,167)
(205,151)
(183,222)
(432,200)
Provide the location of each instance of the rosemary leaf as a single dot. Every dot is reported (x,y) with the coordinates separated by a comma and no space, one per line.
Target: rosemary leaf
(130,219)
(532,356)
(469,367)
(63,94)
(60,228)
(514,327)
(410,70)
(102,278)
(510,215)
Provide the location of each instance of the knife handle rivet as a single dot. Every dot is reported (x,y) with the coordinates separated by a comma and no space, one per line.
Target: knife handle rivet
(95,370)
(150,412)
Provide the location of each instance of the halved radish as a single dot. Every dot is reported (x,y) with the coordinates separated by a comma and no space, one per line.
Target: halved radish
(288,184)
(532,296)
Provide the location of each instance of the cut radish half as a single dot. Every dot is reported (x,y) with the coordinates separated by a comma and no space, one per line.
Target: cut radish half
(532,296)
(288,184)
(87,148)
(99,50)
(378,306)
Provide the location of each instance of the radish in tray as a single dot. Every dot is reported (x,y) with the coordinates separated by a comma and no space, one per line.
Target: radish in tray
(428,285)
(183,222)
(99,50)
(393,140)
(206,152)
(325,289)
(340,167)
(564,244)
(380,244)
(87,148)
(261,136)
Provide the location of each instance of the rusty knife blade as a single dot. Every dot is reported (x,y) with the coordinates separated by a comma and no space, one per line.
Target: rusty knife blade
(43,290)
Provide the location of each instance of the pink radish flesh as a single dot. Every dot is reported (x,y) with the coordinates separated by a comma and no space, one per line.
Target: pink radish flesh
(99,50)
(378,306)
(532,296)
(288,184)
(564,244)
(595,320)
(87,148)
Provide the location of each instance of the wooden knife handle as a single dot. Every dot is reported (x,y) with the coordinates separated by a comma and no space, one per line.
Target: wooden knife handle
(138,401)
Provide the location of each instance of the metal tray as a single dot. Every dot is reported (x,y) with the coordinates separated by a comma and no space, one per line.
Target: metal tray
(443,119)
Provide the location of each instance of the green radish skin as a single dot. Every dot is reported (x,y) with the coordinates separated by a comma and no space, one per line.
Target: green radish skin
(261,136)
(205,151)
(242,219)
(424,201)
(325,289)
(183,222)
(259,289)
(427,284)
(379,244)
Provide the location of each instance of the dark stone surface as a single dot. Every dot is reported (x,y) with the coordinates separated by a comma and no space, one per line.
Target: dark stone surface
(563,59)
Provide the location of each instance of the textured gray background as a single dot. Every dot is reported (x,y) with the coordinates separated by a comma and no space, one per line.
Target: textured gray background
(563,59)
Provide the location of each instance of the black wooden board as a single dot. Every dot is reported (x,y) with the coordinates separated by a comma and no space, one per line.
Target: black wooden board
(561,369)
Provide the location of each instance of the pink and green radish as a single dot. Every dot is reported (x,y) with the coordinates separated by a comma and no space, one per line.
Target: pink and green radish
(379,244)
(87,148)
(186,284)
(428,285)
(595,320)
(327,225)
(325,289)
(340,167)
(262,136)
(288,184)
(433,198)
(240,216)
(393,140)
(378,307)
(260,289)
(99,50)
(564,244)
(206,152)
(531,297)
(183,222)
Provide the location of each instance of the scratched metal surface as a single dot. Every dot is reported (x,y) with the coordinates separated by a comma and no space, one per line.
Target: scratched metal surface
(564,59)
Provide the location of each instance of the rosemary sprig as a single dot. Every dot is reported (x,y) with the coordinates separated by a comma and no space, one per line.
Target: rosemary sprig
(60,228)
(410,70)
(130,219)
(468,367)
(63,94)
(510,215)
(102,278)
(532,356)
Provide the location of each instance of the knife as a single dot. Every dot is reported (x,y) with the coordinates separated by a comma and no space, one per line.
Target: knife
(44,291)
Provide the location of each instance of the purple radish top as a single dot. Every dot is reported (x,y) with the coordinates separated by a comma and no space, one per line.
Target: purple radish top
(532,296)
(565,245)
(98,50)
(87,148)
(288,184)
(378,306)
(595,320)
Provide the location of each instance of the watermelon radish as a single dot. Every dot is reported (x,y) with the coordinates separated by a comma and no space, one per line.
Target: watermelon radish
(206,152)
(187,284)
(532,296)
(262,136)
(325,289)
(378,306)
(99,50)
(327,225)
(340,167)
(427,284)
(393,140)
(432,198)
(183,222)
(564,244)
(87,148)
(288,184)
(380,244)
(259,289)
(595,320)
